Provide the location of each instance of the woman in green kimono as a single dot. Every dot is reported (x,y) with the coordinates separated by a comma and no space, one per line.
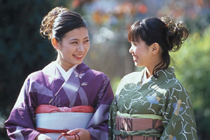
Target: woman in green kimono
(152,104)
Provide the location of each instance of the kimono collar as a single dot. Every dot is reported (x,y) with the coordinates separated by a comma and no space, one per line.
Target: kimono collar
(52,70)
(82,68)
(164,74)
(65,74)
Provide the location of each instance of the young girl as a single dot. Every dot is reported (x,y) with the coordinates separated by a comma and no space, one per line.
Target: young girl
(152,104)
(64,84)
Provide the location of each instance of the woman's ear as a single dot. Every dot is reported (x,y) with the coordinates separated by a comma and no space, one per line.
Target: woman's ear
(55,43)
(155,48)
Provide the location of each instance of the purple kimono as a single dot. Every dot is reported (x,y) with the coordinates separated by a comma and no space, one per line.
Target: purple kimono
(47,86)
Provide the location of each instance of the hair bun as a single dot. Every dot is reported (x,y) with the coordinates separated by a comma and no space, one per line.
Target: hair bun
(176,32)
(181,26)
(170,25)
(47,22)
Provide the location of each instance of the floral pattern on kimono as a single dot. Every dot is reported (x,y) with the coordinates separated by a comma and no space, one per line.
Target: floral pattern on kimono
(163,96)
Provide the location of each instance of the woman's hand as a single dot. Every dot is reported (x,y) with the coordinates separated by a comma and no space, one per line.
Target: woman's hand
(83,134)
(43,137)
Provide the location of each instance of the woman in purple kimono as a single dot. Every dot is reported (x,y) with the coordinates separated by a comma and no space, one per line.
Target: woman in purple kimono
(66,82)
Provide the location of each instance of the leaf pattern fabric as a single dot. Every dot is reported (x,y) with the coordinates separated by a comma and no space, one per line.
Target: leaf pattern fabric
(164,96)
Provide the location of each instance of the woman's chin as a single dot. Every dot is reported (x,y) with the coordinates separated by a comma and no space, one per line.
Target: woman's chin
(137,64)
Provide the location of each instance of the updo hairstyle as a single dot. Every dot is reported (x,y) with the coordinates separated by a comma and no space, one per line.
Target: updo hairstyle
(164,31)
(60,21)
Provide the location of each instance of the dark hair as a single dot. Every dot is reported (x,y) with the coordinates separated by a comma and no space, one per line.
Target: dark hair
(164,31)
(60,21)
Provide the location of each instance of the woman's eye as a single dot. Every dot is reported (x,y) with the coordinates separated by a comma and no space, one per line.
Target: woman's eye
(86,40)
(133,44)
(74,42)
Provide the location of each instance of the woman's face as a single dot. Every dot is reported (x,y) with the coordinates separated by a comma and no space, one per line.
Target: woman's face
(74,47)
(140,53)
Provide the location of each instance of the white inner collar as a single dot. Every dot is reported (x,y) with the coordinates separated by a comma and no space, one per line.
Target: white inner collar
(144,78)
(65,74)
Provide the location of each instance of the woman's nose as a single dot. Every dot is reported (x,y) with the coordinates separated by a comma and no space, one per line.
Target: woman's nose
(131,49)
(80,48)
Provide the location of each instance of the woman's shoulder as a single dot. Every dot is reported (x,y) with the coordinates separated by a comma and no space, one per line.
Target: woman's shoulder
(173,86)
(172,81)
(98,75)
(97,72)
(90,72)
(35,76)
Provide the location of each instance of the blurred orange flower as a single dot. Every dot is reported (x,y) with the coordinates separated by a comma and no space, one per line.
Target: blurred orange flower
(142,8)
(75,4)
(100,17)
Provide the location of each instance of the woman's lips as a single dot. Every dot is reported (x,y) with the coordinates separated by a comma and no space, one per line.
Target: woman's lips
(134,57)
(78,56)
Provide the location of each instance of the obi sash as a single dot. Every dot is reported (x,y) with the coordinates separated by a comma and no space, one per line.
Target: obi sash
(138,126)
(54,122)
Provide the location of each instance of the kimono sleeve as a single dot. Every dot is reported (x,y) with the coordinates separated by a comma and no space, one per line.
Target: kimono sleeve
(113,109)
(178,119)
(98,126)
(21,122)
(112,117)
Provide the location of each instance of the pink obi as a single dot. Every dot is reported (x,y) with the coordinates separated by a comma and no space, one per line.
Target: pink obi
(138,128)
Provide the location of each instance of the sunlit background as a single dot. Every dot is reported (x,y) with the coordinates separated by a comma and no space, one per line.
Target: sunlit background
(23,50)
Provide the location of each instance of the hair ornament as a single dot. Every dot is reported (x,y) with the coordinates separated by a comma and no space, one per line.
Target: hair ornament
(140,23)
(55,13)
(169,24)
(181,24)
(46,28)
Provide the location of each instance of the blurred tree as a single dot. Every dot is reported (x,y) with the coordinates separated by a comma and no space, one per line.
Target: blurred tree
(22,49)
(195,13)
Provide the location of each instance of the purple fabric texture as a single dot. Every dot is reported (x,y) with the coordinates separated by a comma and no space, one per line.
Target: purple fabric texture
(84,87)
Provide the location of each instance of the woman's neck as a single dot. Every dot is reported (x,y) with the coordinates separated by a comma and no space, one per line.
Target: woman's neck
(153,63)
(149,72)
(65,65)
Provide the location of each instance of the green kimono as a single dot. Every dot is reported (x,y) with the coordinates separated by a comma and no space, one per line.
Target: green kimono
(163,97)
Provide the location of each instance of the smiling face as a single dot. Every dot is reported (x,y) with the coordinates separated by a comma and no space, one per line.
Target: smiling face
(140,53)
(73,47)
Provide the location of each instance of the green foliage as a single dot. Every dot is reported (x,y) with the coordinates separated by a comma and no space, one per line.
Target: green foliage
(193,70)
(114,83)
